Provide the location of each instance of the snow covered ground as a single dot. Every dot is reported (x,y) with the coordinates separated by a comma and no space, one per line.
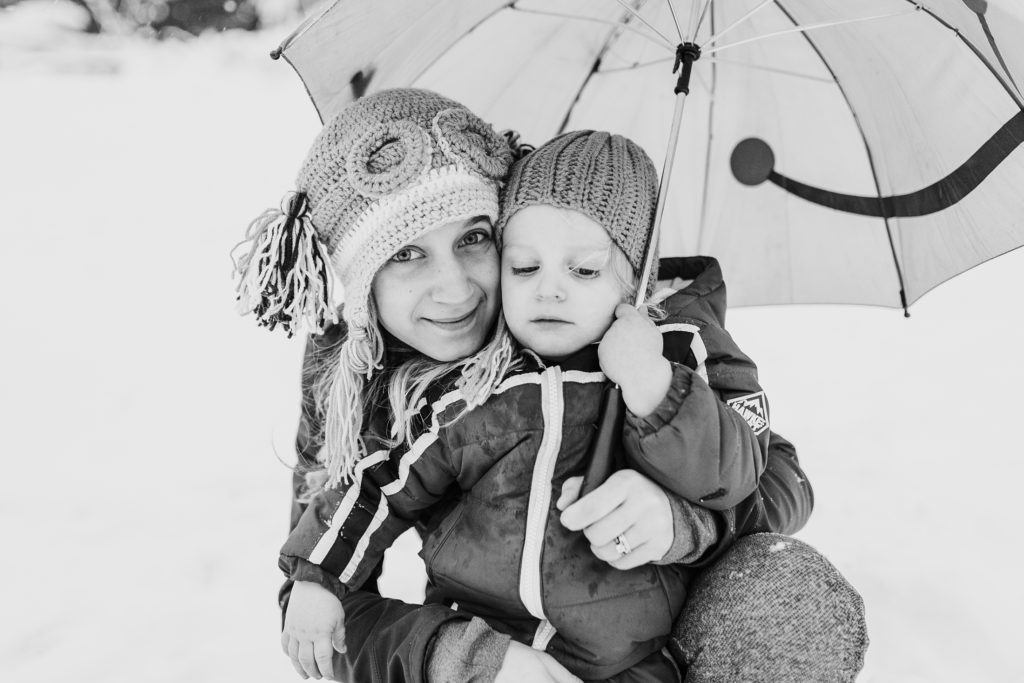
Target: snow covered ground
(142,505)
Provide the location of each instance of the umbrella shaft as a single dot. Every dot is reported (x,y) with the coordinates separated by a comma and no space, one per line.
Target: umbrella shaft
(666,177)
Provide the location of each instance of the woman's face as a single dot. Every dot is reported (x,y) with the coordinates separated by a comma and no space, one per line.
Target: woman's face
(439,294)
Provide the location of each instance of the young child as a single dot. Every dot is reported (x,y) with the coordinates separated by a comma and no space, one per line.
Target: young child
(576,215)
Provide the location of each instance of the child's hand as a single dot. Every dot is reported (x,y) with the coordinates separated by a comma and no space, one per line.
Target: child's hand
(523,663)
(630,356)
(314,627)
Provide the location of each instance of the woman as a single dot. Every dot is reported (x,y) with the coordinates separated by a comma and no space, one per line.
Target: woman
(387,639)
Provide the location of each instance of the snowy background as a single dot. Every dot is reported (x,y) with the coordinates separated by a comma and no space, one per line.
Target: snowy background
(142,503)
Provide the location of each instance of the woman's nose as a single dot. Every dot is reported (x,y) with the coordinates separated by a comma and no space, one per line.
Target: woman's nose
(451,282)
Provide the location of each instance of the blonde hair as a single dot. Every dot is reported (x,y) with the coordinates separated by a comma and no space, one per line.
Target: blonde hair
(344,391)
(628,281)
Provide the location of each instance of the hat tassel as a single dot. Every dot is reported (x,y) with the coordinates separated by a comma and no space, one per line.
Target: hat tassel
(285,278)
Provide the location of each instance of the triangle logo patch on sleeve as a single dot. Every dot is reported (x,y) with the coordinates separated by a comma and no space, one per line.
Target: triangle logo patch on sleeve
(753,408)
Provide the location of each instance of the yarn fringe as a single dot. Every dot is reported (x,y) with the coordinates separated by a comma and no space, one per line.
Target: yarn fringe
(360,356)
(488,368)
(285,278)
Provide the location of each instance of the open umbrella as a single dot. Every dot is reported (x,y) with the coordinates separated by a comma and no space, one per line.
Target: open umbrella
(834,151)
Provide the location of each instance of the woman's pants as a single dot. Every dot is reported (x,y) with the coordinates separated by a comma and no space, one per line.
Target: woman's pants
(771,609)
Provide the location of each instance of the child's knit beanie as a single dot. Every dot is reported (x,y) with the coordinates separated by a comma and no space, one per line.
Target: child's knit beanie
(606,177)
(389,168)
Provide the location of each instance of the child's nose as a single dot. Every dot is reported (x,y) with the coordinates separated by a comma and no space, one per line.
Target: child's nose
(550,288)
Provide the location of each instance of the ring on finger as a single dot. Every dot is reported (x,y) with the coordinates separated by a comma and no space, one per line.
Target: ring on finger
(622,545)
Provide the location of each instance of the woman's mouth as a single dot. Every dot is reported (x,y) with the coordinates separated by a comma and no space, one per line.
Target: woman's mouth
(455,323)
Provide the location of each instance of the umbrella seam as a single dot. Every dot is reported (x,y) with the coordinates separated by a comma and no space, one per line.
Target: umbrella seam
(595,65)
(867,150)
(977,53)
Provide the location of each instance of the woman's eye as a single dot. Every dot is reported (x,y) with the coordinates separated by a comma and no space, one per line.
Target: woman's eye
(526,270)
(478,236)
(403,255)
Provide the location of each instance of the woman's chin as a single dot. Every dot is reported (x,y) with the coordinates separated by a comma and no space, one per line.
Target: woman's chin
(445,349)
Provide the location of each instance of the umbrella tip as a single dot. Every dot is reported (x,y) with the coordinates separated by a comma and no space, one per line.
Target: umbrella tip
(275,54)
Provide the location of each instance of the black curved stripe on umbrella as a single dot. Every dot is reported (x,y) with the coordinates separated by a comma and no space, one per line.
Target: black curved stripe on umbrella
(753,162)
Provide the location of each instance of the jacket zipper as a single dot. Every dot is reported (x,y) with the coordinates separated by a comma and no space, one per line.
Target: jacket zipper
(552,406)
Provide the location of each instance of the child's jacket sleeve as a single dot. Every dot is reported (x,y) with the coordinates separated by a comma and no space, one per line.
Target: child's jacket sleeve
(708,439)
(343,533)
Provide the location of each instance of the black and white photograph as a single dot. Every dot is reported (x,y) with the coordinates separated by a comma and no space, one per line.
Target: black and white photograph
(556,341)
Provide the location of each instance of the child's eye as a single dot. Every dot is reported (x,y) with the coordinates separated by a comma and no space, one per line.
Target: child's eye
(405,255)
(526,270)
(585,273)
(478,236)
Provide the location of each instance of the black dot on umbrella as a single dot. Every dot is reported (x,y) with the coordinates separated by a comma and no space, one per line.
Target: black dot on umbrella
(752,161)
(360,81)
(977,6)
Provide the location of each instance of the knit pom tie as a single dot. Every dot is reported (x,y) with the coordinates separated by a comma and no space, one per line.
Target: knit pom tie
(359,357)
(481,376)
(285,278)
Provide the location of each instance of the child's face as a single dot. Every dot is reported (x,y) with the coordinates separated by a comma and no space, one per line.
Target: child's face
(558,291)
(439,293)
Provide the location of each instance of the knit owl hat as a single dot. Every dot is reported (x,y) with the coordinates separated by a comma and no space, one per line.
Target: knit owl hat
(606,177)
(389,168)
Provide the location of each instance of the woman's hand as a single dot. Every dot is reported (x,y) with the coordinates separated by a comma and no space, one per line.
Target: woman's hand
(314,627)
(628,504)
(523,663)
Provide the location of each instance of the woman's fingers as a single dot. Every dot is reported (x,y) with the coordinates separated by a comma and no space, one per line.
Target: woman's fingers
(628,504)
(595,505)
(570,492)
(606,529)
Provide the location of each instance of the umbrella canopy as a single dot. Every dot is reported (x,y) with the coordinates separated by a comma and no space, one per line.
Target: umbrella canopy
(831,151)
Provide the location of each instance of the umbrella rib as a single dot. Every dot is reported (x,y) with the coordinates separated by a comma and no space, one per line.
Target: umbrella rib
(700,20)
(736,23)
(711,134)
(675,20)
(646,23)
(984,60)
(692,25)
(563,15)
(720,60)
(762,67)
(867,150)
(804,29)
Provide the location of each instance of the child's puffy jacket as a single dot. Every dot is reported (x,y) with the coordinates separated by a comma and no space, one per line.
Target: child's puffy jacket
(500,551)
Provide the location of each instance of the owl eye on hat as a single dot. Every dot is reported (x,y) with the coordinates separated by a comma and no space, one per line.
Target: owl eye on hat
(387,169)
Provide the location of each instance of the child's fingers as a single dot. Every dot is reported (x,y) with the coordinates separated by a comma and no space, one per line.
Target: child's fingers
(307,659)
(626,311)
(570,492)
(323,652)
(338,640)
(293,654)
(558,673)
